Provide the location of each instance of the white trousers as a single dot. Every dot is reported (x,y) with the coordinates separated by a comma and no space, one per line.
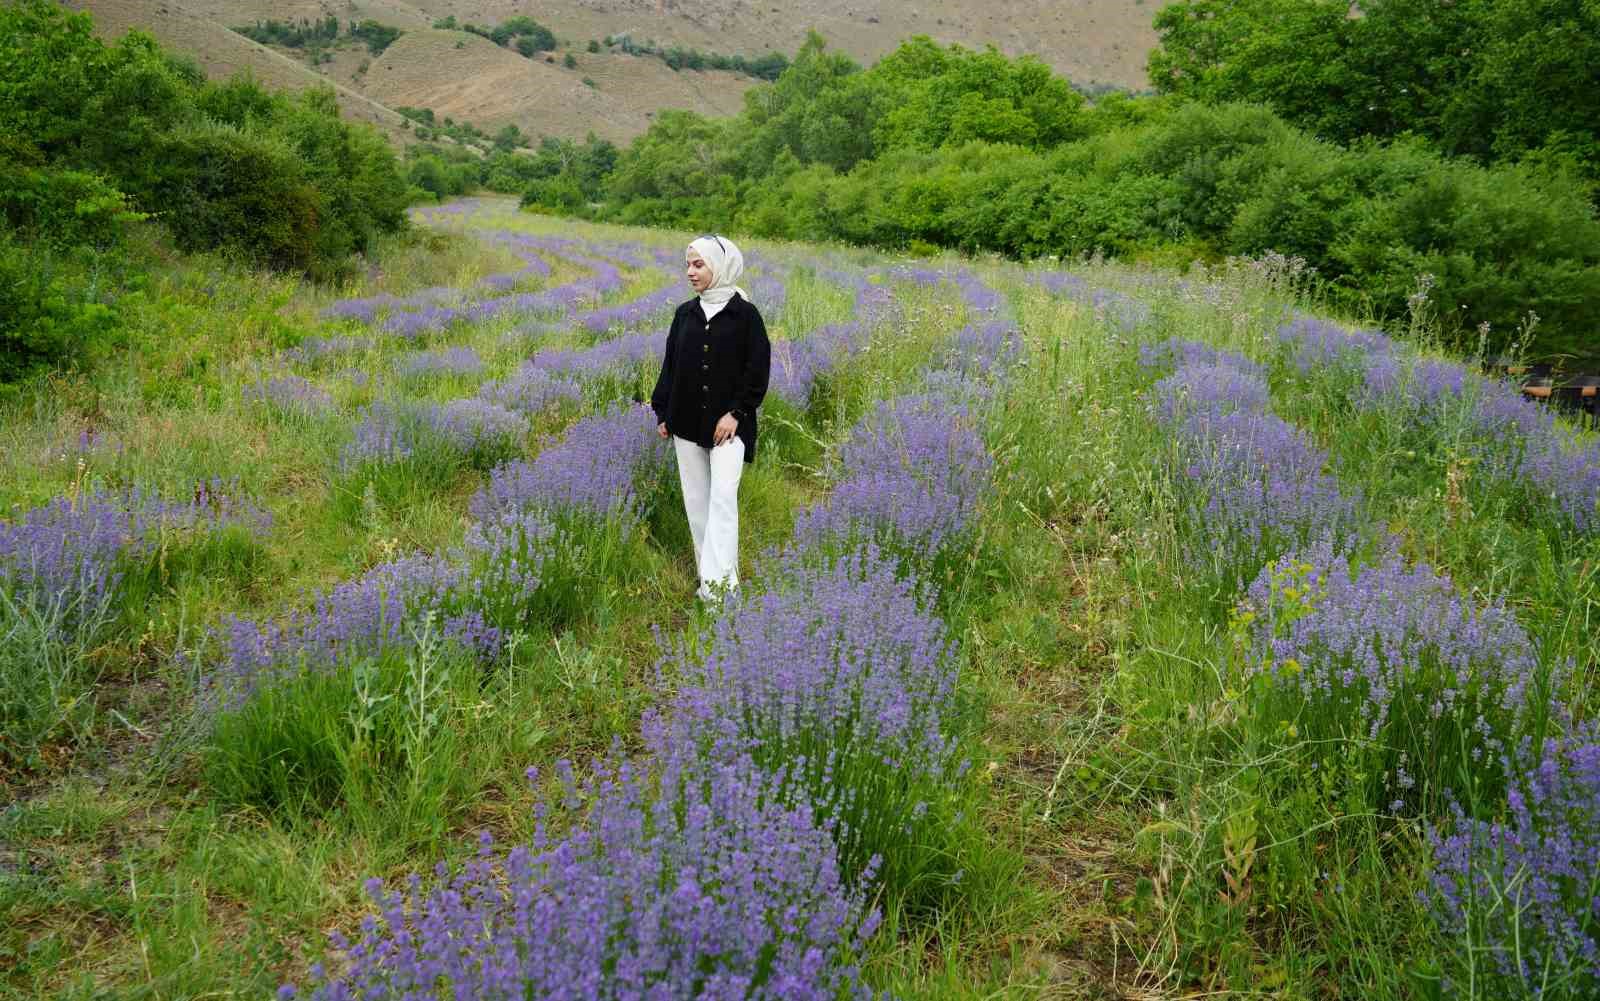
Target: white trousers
(710,479)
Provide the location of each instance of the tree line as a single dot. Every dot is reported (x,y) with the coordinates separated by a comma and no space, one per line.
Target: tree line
(939,146)
(95,136)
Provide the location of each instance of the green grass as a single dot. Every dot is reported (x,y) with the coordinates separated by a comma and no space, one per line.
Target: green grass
(1118,833)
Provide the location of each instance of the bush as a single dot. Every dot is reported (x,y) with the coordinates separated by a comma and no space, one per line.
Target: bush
(49,314)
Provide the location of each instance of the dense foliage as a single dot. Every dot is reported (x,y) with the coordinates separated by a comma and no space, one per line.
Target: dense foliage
(768,66)
(936,147)
(317,35)
(522,33)
(1492,79)
(93,136)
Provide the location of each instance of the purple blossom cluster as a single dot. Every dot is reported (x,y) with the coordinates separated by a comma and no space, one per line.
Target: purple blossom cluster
(316,349)
(461,361)
(290,393)
(1515,440)
(531,391)
(845,657)
(985,349)
(799,363)
(1179,352)
(837,682)
(644,310)
(477,427)
(915,468)
(71,552)
(594,470)
(1520,891)
(1392,654)
(377,611)
(1315,343)
(708,890)
(382,435)
(1253,483)
(1108,305)
(473,427)
(434,309)
(612,357)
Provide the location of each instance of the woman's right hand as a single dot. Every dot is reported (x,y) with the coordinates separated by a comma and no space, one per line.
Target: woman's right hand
(661,429)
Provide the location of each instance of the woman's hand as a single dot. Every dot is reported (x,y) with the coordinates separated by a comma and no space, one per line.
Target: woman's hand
(726,428)
(661,429)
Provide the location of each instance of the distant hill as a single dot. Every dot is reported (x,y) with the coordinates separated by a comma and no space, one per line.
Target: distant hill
(469,78)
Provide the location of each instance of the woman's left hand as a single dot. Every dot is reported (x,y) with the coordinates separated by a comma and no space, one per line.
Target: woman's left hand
(726,428)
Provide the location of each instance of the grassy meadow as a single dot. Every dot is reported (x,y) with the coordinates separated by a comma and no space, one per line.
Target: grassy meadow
(1217,729)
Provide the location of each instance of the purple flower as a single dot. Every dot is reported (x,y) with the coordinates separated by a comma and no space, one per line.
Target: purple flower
(1109,305)
(1210,389)
(1252,485)
(1179,353)
(382,435)
(379,610)
(290,393)
(915,471)
(990,348)
(843,676)
(73,551)
(478,428)
(531,391)
(1316,343)
(1519,891)
(1391,656)
(461,361)
(595,471)
(709,890)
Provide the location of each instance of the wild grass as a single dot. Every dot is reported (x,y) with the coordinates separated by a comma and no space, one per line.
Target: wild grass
(1121,831)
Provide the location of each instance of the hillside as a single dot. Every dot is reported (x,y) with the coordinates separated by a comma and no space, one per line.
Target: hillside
(223,53)
(468,78)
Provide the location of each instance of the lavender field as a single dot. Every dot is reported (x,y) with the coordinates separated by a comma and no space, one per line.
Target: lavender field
(1105,633)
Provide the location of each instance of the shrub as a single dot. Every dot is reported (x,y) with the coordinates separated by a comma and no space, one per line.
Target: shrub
(1515,895)
(841,682)
(1384,670)
(50,315)
(698,890)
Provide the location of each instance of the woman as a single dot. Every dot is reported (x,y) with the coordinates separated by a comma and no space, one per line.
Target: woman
(713,378)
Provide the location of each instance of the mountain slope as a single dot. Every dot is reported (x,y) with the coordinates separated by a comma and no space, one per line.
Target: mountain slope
(468,78)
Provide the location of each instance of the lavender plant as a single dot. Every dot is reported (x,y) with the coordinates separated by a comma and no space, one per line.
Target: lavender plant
(1389,663)
(531,391)
(290,394)
(1251,486)
(696,889)
(915,473)
(1518,897)
(357,618)
(452,361)
(841,681)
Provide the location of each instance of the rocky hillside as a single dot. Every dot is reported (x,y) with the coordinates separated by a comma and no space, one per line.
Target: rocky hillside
(469,78)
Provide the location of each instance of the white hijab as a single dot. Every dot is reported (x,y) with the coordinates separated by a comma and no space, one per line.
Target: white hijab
(726,264)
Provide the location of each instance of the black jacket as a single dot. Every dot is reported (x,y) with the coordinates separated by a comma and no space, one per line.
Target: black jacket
(711,369)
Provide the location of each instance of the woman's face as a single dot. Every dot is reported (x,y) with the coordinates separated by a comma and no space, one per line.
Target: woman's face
(699,272)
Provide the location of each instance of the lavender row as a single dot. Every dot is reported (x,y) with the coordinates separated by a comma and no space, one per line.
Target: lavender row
(477,590)
(1122,310)
(72,553)
(864,672)
(1391,659)
(1253,484)
(1515,440)
(799,362)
